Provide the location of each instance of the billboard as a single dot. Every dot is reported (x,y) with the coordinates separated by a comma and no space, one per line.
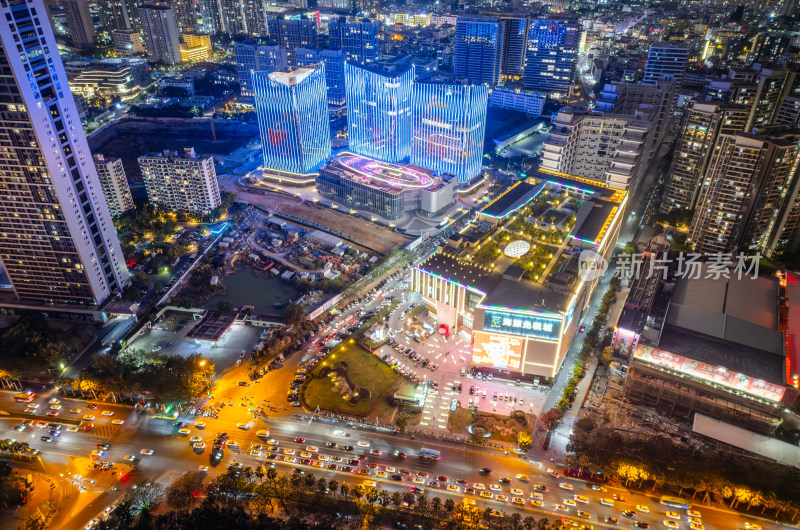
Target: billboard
(708,372)
(502,351)
(526,325)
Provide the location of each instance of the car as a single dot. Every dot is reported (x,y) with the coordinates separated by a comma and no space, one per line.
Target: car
(147,452)
(376,452)
(348,448)
(254,452)
(612,520)
(288,451)
(582,329)
(585,515)
(312,448)
(72,428)
(696,526)
(182,432)
(362,443)
(673,515)
(462,482)
(369,483)
(479,486)
(200,425)
(20,427)
(222,436)
(453,487)
(93,406)
(607,502)
(628,513)
(670,524)
(570,502)
(232,444)
(693,513)
(641,524)
(55,407)
(54,400)
(752,526)
(107,413)
(619,498)
(602,489)
(88,427)
(104,446)
(53,413)
(502,498)
(300,440)
(122,422)
(46,438)
(195,439)
(522,477)
(562,507)
(380,474)
(88,417)
(553,473)
(485,471)
(537,503)
(581,498)
(418,480)
(331,445)
(487,494)
(642,508)
(203,469)
(129,458)
(540,487)
(243,426)
(289,459)
(516,491)
(306,454)
(336,459)
(244,383)
(495,487)
(565,486)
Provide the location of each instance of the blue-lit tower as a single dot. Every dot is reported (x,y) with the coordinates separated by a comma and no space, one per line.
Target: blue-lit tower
(552,54)
(292,108)
(379,110)
(448,123)
(478,52)
(334,70)
(358,38)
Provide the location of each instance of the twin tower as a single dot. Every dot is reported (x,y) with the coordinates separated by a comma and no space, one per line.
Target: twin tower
(434,121)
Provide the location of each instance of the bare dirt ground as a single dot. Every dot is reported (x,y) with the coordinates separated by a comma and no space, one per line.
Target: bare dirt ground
(364,233)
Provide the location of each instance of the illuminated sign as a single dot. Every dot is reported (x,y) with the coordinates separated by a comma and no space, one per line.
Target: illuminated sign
(518,324)
(715,374)
(497,350)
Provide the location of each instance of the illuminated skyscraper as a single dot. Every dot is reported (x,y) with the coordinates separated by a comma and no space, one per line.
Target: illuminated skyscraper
(293,33)
(334,70)
(448,123)
(58,243)
(292,109)
(161,36)
(379,111)
(358,38)
(478,50)
(551,55)
(257,58)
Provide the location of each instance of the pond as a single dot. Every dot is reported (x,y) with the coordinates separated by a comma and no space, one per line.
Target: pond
(262,292)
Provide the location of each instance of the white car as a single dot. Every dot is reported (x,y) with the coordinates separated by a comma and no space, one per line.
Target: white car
(673,515)
(195,439)
(107,413)
(203,469)
(200,424)
(243,426)
(362,443)
(55,407)
(88,417)
(232,443)
(122,422)
(312,448)
(495,487)
(130,458)
(565,486)
(569,502)
(147,452)
(478,486)
(33,406)
(642,508)
(517,492)
(322,457)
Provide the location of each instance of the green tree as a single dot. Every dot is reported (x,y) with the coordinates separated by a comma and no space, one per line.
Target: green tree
(295,314)
(183,493)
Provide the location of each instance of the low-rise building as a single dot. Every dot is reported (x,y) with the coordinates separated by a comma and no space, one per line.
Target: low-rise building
(181,181)
(530,102)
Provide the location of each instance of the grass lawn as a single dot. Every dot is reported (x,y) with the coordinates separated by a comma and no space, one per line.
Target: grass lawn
(364,370)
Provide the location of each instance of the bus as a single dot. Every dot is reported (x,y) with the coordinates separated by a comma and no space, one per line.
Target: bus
(675,502)
(25,397)
(430,454)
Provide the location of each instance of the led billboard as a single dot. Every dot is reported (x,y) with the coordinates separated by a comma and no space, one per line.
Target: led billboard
(502,351)
(526,325)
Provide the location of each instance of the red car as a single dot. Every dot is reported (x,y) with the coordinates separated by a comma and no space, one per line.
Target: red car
(299,440)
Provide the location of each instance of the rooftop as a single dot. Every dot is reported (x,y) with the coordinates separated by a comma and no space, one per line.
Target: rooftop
(212,326)
(459,271)
(515,197)
(292,77)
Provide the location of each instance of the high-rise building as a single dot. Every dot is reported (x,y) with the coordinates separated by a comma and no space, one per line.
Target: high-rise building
(551,55)
(478,49)
(238,17)
(703,124)
(515,43)
(293,33)
(771,88)
(666,61)
(334,61)
(257,58)
(744,193)
(118,14)
(79,22)
(127,41)
(114,183)
(181,181)
(358,38)
(292,108)
(58,243)
(604,147)
(448,125)
(160,30)
(379,111)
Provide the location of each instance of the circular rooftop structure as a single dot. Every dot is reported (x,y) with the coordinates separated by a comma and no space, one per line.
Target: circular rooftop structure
(395,175)
(517,249)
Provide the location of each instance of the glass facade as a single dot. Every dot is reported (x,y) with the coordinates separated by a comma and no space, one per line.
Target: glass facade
(379,112)
(292,33)
(551,55)
(448,124)
(479,50)
(334,69)
(359,39)
(257,58)
(292,112)
(339,187)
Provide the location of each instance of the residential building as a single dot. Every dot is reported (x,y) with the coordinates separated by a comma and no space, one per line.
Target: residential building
(293,33)
(292,108)
(478,49)
(379,111)
(195,40)
(448,125)
(239,17)
(118,14)
(181,181)
(772,87)
(666,61)
(257,58)
(604,147)
(551,55)
(160,30)
(334,61)
(114,183)
(193,54)
(530,102)
(79,22)
(59,246)
(358,38)
(127,41)
(112,78)
(515,44)
(744,190)
(703,124)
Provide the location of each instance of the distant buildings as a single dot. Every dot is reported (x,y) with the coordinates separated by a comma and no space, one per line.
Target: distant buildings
(196,47)
(666,61)
(160,30)
(379,111)
(478,49)
(127,41)
(334,61)
(257,58)
(551,55)
(515,44)
(114,183)
(608,148)
(118,14)
(293,33)
(448,125)
(358,39)
(79,22)
(181,181)
(59,247)
(292,109)
(236,17)
(530,102)
(114,78)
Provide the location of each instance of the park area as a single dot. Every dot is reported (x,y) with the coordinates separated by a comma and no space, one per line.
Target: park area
(495,427)
(351,380)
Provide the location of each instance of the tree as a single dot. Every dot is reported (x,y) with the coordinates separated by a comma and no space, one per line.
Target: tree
(146,495)
(225,306)
(552,418)
(606,356)
(524,439)
(183,493)
(295,314)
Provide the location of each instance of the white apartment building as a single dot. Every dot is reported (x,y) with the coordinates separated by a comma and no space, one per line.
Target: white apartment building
(528,101)
(114,183)
(181,181)
(605,147)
